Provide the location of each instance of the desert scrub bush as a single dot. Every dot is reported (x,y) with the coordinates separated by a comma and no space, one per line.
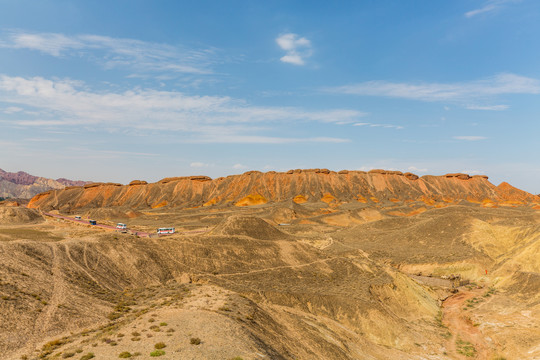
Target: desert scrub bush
(163,324)
(151,320)
(224,308)
(87,356)
(135,333)
(68,354)
(156,353)
(124,355)
(160,345)
(236,358)
(465,348)
(195,341)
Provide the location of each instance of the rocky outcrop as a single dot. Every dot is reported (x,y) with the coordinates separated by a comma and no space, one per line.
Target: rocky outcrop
(460,176)
(299,186)
(411,176)
(137,182)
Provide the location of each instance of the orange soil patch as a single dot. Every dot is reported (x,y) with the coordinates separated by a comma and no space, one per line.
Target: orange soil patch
(160,204)
(328,198)
(300,199)
(361,199)
(250,200)
(211,202)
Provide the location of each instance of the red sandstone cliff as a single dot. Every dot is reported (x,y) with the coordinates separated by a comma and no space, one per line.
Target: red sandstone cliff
(312,185)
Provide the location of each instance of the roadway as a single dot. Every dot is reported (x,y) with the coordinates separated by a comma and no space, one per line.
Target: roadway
(110,227)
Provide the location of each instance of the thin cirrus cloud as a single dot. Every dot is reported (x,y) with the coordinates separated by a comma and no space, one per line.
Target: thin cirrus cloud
(112,52)
(203,119)
(463,92)
(489,108)
(297,49)
(387,126)
(489,6)
(470,138)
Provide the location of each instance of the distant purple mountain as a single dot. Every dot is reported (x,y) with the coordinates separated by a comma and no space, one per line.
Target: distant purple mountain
(23,185)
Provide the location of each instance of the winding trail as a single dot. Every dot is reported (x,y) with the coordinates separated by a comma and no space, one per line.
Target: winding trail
(44,320)
(461,327)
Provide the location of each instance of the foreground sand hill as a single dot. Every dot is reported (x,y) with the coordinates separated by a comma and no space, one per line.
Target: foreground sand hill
(410,277)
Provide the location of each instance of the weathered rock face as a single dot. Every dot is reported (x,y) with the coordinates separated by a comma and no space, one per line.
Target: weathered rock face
(313,185)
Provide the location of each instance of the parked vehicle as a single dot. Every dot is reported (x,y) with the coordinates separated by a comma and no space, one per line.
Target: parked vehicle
(77,217)
(121,226)
(92,222)
(169,230)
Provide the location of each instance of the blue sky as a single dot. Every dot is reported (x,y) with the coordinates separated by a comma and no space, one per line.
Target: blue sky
(122,90)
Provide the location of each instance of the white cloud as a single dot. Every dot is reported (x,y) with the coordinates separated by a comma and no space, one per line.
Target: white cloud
(198,118)
(388,126)
(470,138)
(489,6)
(297,48)
(198,165)
(414,168)
(12,110)
(239,166)
(115,52)
(489,108)
(459,92)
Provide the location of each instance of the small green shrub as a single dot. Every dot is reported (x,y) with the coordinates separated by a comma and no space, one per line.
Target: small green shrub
(68,355)
(87,356)
(124,355)
(160,345)
(195,341)
(156,353)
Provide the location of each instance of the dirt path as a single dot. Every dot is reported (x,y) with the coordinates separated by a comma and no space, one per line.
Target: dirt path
(278,267)
(82,268)
(44,320)
(464,333)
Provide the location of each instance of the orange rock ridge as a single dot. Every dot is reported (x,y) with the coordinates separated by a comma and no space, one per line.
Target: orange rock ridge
(313,185)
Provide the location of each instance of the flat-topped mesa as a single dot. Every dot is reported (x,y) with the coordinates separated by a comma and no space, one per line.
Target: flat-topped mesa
(255,188)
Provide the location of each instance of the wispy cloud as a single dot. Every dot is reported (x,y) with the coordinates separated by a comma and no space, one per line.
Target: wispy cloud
(297,48)
(462,92)
(112,52)
(219,119)
(470,138)
(488,108)
(489,6)
(239,166)
(420,170)
(198,165)
(387,126)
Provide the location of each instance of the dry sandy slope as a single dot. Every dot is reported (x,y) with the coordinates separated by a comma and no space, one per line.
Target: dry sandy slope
(249,289)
